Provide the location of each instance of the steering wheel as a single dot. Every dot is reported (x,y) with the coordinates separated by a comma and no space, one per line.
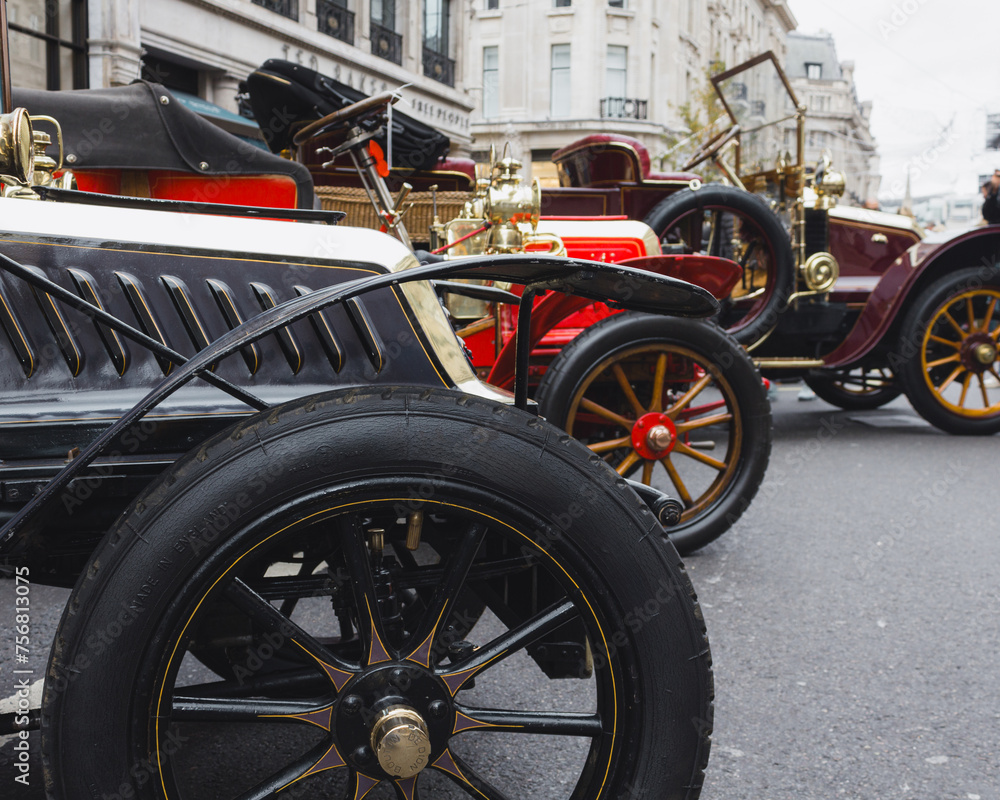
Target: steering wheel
(346,117)
(711,147)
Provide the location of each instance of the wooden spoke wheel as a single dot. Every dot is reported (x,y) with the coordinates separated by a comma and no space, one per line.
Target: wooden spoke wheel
(727,222)
(674,403)
(339,538)
(857,389)
(953,380)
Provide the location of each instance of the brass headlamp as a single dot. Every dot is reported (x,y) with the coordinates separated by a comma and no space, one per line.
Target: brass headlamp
(828,183)
(509,204)
(17,152)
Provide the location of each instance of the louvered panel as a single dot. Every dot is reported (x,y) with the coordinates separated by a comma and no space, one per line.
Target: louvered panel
(324,331)
(15,333)
(53,313)
(286,339)
(362,323)
(117,350)
(144,315)
(230,312)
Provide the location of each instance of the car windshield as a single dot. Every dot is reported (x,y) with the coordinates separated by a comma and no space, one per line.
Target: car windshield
(757,97)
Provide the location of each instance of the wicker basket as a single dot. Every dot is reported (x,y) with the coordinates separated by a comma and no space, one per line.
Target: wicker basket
(360,214)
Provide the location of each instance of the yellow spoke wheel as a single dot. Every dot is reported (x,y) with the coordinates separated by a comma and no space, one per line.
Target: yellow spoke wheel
(953,380)
(675,404)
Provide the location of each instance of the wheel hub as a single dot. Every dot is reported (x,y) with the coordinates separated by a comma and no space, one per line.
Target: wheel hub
(654,435)
(985,353)
(397,717)
(401,741)
(979,352)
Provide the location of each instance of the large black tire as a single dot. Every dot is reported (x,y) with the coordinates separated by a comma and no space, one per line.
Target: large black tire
(508,508)
(950,370)
(860,389)
(724,221)
(728,405)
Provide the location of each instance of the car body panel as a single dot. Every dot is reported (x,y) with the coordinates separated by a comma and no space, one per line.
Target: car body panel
(921,263)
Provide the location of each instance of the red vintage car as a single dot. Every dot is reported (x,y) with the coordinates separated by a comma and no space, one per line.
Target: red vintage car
(856,302)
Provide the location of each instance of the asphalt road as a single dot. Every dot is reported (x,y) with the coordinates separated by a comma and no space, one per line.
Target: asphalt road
(853,614)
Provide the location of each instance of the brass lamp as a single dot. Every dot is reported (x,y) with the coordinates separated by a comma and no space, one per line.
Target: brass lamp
(17,152)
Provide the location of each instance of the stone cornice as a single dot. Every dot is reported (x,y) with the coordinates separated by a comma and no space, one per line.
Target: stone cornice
(784,13)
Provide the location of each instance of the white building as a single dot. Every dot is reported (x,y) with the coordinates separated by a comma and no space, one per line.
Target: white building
(836,120)
(551,71)
(205,47)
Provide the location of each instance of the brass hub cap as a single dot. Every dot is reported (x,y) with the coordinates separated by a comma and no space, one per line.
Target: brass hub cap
(985,353)
(654,435)
(659,438)
(978,352)
(401,741)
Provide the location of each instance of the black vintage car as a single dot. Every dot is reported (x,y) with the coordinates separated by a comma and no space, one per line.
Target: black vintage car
(311,552)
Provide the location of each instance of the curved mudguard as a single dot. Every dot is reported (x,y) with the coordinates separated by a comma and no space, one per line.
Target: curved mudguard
(916,268)
(715,276)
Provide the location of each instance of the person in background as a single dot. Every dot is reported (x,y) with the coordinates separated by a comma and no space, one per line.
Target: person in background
(991,199)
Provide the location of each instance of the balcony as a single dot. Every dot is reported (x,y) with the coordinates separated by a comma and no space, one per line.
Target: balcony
(386,44)
(335,21)
(623,108)
(439,67)
(287,8)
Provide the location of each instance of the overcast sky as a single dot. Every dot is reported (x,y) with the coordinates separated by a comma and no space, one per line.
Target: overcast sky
(925,64)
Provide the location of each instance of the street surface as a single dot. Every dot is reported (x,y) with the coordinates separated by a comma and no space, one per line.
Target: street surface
(853,615)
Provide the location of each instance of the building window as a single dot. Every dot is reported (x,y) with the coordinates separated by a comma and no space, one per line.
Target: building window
(616,72)
(174,76)
(491,82)
(617,3)
(562,3)
(820,102)
(386,43)
(48,43)
(333,19)
(436,25)
(560,105)
(492,5)
(814,72)
(287,8)
(437,18)
(384,13)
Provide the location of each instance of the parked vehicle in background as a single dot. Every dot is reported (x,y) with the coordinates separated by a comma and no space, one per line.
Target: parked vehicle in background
(854,301)
(834,295)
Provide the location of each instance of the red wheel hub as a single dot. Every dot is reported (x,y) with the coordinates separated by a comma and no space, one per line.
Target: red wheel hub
(654,435)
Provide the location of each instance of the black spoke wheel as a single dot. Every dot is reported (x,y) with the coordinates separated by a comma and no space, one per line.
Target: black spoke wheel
(952,338)
(727,222)
(343,539)
(674,403)
(858,389)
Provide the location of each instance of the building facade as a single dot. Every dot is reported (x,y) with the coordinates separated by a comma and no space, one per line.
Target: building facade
(835,119)
(206,47)
(552,71)
(531,76)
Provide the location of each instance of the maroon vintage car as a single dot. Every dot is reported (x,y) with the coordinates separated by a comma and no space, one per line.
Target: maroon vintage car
(856,302)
